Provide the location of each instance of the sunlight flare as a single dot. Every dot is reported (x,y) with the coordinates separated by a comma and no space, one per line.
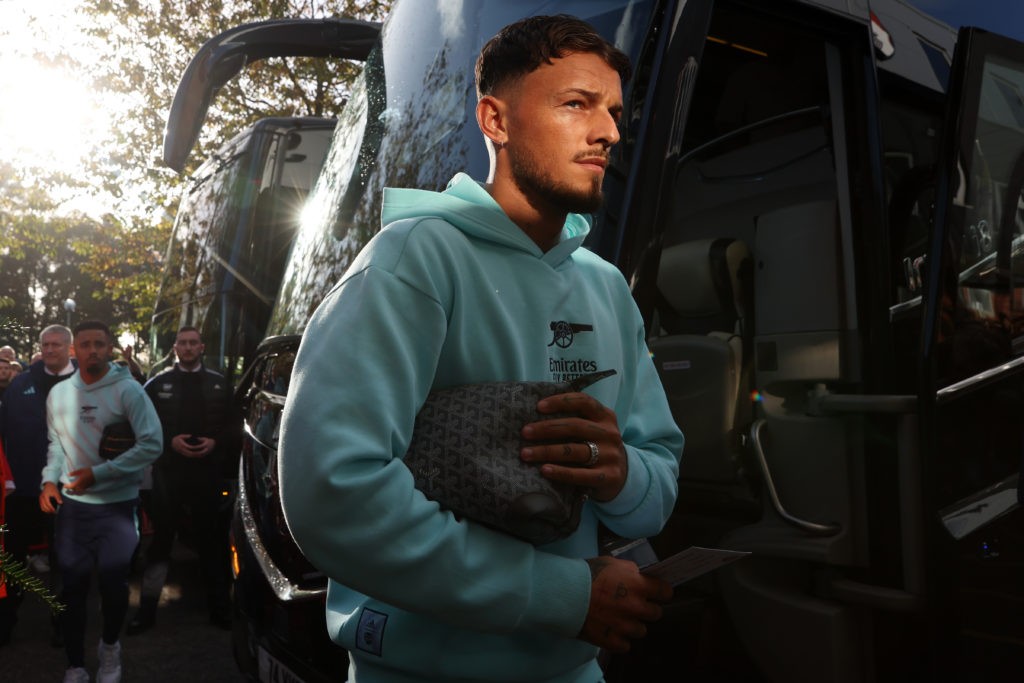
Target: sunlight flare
(48,119)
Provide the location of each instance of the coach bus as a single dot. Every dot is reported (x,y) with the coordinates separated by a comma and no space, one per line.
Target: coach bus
(818,206)
(232,232)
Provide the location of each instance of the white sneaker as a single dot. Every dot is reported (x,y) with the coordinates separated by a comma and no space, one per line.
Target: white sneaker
(110,663)
(76,674)
(39,563)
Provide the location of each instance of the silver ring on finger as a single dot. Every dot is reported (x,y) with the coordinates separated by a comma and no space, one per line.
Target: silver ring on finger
(594,454)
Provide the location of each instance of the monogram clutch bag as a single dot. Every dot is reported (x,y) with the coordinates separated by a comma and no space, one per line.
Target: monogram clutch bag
(465,456)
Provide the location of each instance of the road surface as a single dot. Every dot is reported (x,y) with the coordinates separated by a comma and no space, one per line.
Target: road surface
(182,647)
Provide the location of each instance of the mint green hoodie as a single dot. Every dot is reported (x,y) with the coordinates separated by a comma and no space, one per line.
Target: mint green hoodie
(452,292)
(76,414)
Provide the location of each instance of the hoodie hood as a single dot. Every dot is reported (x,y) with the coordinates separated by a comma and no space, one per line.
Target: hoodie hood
(469,207)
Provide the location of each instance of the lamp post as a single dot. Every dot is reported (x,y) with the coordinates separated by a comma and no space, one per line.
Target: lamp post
(69,306)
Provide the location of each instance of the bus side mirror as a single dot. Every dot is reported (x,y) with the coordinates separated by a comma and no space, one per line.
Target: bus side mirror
(224,55)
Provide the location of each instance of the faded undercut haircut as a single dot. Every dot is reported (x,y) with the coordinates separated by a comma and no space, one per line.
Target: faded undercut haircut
(520,48)
(94,325)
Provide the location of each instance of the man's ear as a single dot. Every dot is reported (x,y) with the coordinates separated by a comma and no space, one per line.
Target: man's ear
(491,117)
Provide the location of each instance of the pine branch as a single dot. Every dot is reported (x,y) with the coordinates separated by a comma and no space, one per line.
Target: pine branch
(16,573)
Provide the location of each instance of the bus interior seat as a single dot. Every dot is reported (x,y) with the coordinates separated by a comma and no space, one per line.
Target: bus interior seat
(700,344)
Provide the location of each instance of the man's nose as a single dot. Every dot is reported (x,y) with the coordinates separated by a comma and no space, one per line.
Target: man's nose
(606,130)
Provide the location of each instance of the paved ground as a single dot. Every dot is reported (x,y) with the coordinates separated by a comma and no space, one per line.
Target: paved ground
(182,647)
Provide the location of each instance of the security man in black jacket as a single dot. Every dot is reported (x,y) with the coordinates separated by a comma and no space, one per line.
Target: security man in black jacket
(201,428)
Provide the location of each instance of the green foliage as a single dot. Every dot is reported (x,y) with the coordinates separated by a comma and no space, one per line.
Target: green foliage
(17,574)
(109,271)
(134,53)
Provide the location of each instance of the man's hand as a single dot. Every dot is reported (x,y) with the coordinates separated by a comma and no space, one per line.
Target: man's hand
(200,448)
(83,479)
(622,603)
(49,498)
(568,456)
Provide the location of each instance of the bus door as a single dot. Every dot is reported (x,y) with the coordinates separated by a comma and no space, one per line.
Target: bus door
(972,366)
(747,259)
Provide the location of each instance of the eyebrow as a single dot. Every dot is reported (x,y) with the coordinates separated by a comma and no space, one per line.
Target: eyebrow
(591,95)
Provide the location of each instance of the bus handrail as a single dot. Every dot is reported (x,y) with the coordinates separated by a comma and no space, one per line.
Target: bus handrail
(813,528)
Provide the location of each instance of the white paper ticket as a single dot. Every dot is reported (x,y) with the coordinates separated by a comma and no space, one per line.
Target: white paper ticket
(691,563)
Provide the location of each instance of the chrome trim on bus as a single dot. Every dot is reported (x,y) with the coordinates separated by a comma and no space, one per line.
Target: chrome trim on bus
(270,397)
(903,307)
(282,586)
(976,381)
(979,509)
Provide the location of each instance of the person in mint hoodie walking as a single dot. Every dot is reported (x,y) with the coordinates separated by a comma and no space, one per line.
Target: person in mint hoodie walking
(91,482)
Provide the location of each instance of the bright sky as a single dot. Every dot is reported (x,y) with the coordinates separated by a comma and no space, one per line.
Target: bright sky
(49,117)
(1001,16)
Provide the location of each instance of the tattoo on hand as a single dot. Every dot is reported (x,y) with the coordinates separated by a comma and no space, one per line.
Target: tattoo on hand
(621,591)
(566,451)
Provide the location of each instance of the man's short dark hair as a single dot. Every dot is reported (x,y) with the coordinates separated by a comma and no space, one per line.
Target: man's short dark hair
(93,325)
(189,328)
(520,48)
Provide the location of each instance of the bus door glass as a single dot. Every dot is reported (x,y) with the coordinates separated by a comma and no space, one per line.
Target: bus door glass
(972,392)
(286,164)
(975,314)
(291,168)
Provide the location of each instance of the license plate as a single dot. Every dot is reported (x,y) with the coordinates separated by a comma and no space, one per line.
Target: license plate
(271,670)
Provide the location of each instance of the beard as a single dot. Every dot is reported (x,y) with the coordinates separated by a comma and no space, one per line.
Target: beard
(95,366)
(538,186)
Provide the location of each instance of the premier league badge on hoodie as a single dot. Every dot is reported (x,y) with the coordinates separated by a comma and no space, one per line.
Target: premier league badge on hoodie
(370,635)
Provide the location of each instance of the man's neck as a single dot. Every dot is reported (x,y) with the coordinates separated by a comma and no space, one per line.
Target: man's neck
(90,378)
(542,224)
(189,368)
(64,369)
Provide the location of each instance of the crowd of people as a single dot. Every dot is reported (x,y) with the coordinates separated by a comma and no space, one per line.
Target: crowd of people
(86,444)
(10,366)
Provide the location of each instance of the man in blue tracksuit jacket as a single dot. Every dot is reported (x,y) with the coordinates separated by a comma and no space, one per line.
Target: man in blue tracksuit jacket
(23,432)
(486,282)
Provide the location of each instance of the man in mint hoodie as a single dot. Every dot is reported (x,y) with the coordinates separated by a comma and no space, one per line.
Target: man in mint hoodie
(483,283)
(93,488)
